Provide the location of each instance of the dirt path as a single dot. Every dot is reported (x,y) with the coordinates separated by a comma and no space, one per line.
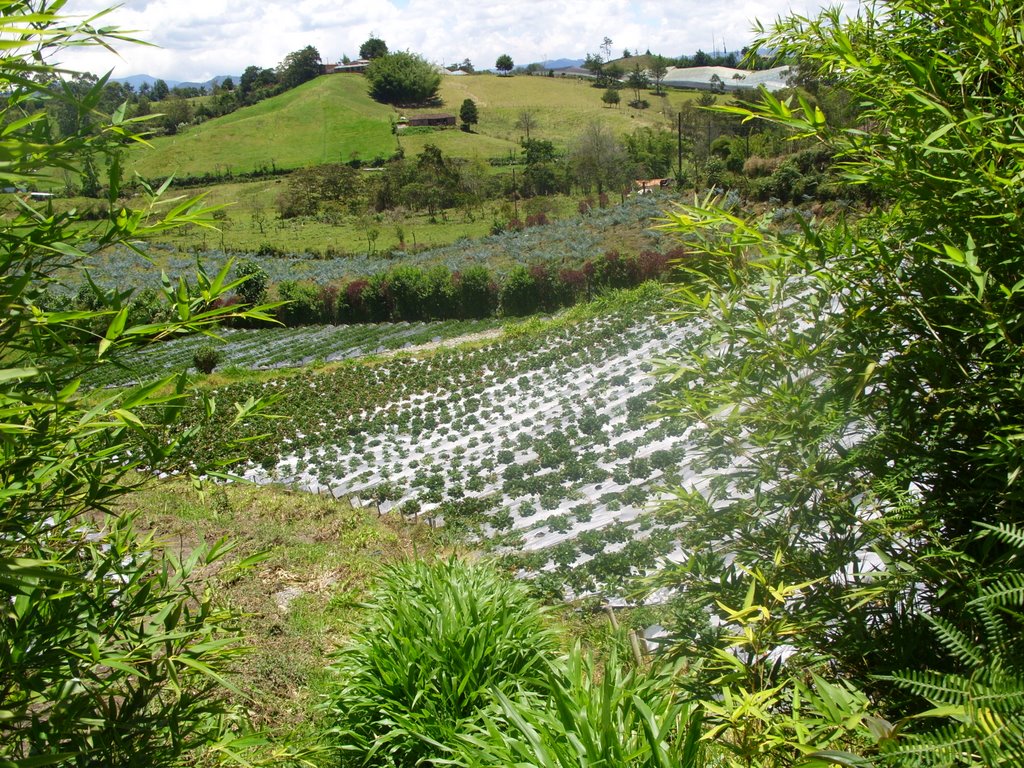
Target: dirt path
(455,341)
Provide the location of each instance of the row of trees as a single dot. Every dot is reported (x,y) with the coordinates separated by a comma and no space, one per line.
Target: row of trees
(434,182)
(405,293)
(717,148)
(408,293)
(174,105)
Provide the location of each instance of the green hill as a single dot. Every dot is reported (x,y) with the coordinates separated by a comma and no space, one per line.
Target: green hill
(329,119)
(332,119)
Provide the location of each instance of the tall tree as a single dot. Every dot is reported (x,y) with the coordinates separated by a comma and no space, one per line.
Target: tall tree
(637,81)
(504,64)
(373,48)
(160,90)
(468,114)
(299,67)
(402,78)
(599,161)
(177,113)
(256,83)
(526,121)
(658,69)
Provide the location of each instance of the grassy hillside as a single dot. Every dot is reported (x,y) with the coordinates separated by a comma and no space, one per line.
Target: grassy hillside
(332,119)
(560,107)
(327,120)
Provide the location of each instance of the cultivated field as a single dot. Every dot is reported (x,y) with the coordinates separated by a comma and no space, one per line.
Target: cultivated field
(626,228)
(539,444)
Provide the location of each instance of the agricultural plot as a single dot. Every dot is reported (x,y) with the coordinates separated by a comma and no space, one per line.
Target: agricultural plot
(269,348)
(569,241)
(539,446)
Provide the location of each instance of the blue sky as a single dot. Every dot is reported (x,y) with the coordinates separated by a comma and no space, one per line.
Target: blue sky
(199,39)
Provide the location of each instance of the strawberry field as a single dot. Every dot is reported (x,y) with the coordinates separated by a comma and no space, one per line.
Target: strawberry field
(269,348)
(540,446)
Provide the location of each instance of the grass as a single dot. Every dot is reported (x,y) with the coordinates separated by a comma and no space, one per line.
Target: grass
(329,119)
(248,203)
(333,119)
(303,600)
(445,638)
(560,107)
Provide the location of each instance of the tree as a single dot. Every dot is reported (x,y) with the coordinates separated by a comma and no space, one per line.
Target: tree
(658,70)
(611,97)
(308,189)
(176,112)
(638,81)
(594,64)
(611,75)
(653,151)
(526,121)
(541,175)
(606,46)
(373,48)
(402,78)
(468,114)
(160,90)
(252,282)
(255,84)
(886,427)
(504,64)
(112,653)
(598,159)
(299,67)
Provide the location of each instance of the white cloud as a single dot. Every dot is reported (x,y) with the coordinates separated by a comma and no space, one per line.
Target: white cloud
(203,38)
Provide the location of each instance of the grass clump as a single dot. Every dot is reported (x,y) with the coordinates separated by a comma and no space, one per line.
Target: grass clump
(443,639)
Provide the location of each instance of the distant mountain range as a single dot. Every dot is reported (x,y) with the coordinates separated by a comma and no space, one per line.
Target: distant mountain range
(561,63)
(136,81)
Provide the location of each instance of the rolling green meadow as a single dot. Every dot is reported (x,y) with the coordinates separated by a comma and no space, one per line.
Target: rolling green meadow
(333,119)
(324,121)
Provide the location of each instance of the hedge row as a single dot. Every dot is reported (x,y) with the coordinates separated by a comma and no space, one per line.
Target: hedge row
(411,293)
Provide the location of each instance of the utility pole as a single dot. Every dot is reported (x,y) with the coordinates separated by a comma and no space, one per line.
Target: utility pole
(515,195)
(679,171)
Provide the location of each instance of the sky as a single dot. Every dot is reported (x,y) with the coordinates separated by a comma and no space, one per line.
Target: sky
(200,39)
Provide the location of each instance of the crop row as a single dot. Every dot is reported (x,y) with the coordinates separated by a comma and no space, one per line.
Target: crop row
(267,348)
(538,446)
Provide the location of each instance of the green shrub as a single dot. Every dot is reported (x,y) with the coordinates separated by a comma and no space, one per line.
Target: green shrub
(205,358)
(519,293)
(625,719)
(442,640)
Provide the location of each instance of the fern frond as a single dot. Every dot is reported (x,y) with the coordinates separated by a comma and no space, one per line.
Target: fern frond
(961,647)
(1013,535)
(1007,591)
(936,687)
